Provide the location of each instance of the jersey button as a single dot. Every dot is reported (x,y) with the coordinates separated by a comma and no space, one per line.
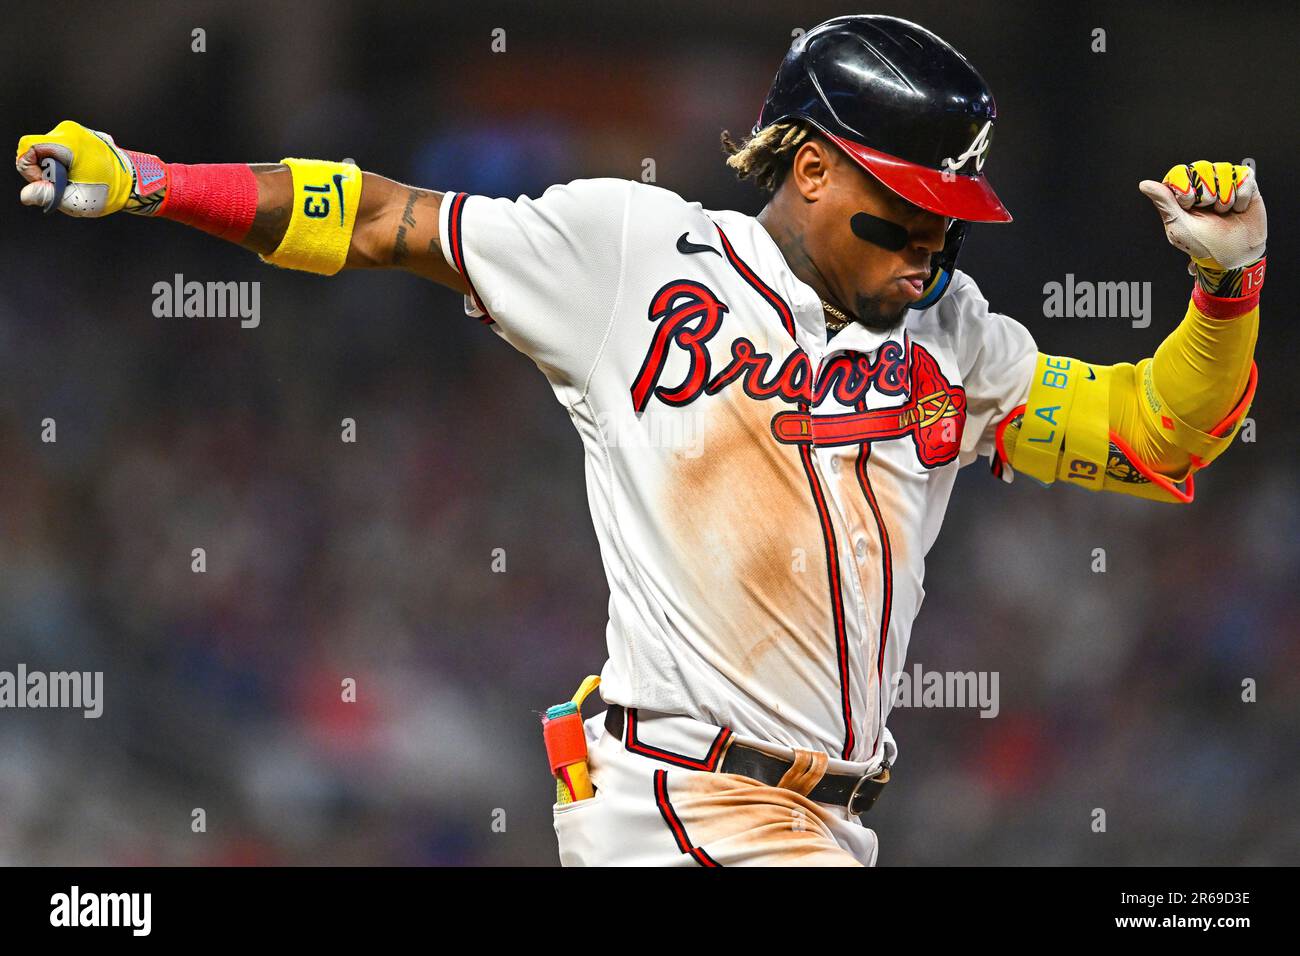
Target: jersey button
(861,549)
(835,465)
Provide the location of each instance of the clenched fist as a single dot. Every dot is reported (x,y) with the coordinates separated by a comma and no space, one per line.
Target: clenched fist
(1213,212)
(103,178)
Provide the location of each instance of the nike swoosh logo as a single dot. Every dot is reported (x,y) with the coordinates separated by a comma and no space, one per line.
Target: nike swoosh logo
(338,186)
(1091,374)
(686,247)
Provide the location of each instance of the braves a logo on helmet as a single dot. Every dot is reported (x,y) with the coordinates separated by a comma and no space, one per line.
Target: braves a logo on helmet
(978,150)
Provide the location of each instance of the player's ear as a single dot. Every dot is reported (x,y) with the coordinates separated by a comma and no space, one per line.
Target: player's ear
(811,167)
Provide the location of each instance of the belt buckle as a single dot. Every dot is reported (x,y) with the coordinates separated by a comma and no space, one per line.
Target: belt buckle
(881,777)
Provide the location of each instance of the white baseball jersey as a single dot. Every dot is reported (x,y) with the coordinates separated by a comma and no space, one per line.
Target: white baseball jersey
(764,498)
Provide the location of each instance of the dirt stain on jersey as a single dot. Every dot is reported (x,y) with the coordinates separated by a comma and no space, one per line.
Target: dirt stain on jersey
(739,820)
(741,516)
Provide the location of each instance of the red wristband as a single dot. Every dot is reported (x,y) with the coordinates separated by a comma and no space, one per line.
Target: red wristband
(1222,307)
(219,198)
(1229,307)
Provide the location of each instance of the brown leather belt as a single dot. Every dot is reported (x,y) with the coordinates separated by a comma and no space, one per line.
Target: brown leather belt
(858,794)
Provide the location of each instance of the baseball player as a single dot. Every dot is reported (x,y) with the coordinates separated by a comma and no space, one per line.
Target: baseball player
(837,370)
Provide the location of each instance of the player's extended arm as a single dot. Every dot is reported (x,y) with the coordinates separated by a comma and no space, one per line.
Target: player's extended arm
(301,214)
(1145,429)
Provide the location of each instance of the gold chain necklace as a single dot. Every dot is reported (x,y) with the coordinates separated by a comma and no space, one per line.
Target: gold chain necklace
(837,319)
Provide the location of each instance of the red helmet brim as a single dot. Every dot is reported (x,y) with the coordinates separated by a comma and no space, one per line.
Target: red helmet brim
(960,197)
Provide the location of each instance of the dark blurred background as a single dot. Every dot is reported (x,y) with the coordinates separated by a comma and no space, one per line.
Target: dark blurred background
(372,560)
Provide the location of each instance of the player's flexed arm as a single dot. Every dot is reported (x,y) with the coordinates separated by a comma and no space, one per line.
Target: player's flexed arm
(1143,429)
(301,214)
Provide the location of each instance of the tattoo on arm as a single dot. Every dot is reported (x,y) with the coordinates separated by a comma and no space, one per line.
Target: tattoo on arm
(381,238)
(274,204)
(400,251)
(268,229)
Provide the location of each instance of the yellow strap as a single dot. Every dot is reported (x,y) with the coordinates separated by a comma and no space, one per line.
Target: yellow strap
(585,688)
(1087,439)
(1076,412)
(326,197)
(1042,430)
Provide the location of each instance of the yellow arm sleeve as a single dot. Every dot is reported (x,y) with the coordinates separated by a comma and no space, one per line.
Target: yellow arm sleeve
(1141,429)
(1199,374)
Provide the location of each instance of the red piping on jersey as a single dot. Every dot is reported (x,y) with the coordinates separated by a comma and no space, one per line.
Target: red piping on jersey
(708,763)
(828,530)
(675,824)
(886,554)
(837,597)
(458,251)
(746,273)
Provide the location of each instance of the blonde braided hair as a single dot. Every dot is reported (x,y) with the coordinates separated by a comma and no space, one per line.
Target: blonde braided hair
(766,155)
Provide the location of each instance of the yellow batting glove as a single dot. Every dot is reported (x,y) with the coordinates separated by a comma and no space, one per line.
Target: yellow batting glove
(103,178)
(1212,211)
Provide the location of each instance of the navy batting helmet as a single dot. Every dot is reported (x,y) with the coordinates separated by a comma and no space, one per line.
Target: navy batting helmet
(904,105)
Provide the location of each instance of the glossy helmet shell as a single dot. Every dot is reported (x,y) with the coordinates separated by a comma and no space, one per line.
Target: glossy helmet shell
(904,105)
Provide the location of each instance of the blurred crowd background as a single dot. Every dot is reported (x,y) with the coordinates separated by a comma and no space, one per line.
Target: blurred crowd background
(1119,690)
